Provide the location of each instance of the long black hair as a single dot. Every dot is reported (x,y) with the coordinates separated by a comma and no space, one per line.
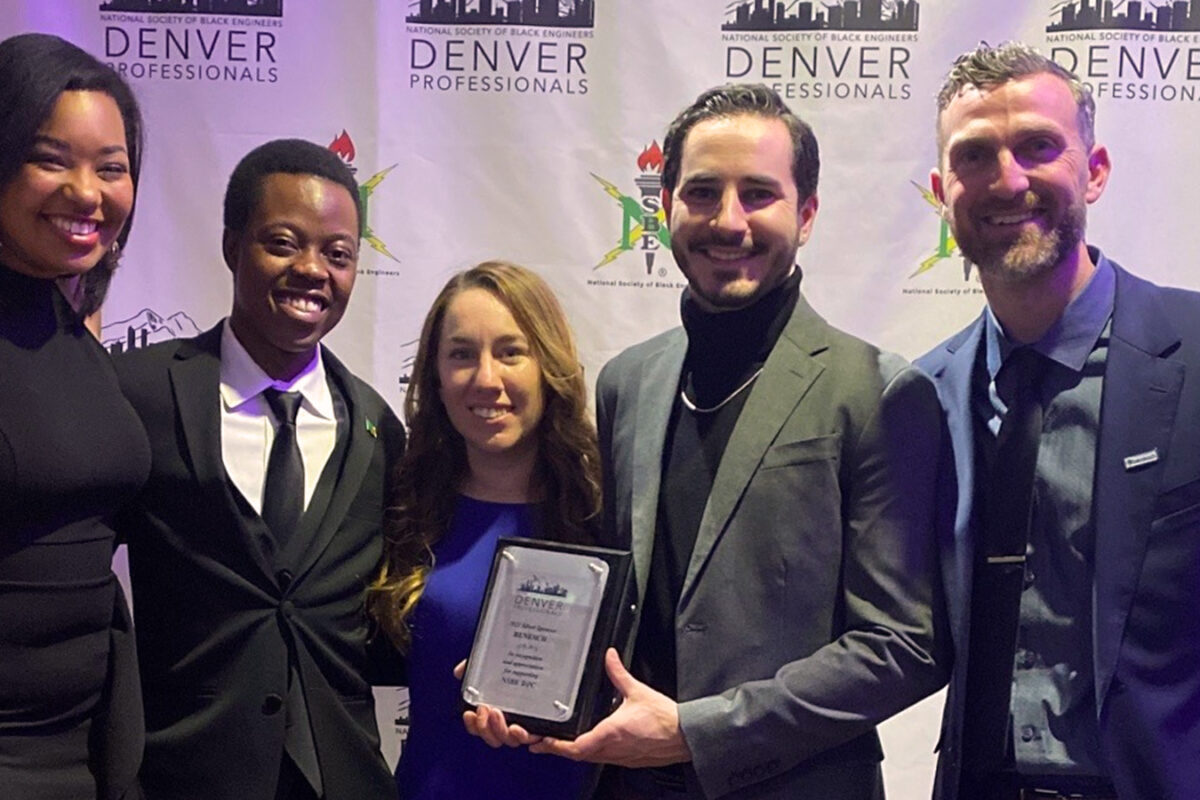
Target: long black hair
(35,68)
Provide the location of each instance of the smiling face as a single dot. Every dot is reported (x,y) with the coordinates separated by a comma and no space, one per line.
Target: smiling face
(736,219)
(293,270)
(68,202)
(490,383)
(1016,177)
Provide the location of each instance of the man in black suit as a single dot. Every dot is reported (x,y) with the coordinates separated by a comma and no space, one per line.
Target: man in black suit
(253,542)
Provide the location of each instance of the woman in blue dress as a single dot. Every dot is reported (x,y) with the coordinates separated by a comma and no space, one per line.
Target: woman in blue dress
(500,444)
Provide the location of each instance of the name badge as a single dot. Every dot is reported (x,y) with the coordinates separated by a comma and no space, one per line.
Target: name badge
(1141,460)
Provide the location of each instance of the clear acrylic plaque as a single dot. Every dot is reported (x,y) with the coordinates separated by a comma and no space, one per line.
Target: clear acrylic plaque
(536,631)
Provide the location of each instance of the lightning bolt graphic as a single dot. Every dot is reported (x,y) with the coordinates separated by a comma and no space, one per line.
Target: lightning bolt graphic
(632,211)
(365,190)
(946,246)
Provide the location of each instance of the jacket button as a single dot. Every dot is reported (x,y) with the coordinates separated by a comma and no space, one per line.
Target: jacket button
(272,704)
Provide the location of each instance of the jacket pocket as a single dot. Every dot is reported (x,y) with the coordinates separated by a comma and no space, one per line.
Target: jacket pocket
(821,448)
(1178,507)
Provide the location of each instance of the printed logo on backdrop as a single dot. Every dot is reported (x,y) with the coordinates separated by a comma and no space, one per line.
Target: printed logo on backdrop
(1129,51)
(641,258)
(850,50)
(145,328)
(343,146)
(945,270)
(408,356)
(500,46)
(233,41)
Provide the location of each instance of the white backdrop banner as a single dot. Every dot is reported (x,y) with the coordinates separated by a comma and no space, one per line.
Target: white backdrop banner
(530,130)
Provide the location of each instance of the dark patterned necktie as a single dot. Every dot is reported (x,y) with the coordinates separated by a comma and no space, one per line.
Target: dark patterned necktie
(283,489)
(1006,513)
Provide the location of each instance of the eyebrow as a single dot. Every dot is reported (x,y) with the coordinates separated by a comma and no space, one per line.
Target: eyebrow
(507,338)
(711,177)
(59,144)
(298,229)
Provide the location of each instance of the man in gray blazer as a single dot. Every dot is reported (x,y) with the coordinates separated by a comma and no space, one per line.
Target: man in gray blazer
(775,479)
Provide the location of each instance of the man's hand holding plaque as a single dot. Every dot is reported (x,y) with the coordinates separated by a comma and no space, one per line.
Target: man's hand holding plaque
(550,612)
(643,731)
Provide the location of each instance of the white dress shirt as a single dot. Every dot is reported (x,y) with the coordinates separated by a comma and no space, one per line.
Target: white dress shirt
(248,427)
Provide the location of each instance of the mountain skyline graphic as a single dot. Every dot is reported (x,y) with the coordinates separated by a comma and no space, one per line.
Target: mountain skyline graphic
(144,328)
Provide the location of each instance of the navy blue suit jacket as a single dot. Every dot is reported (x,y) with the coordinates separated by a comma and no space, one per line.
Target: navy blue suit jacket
(1146,585)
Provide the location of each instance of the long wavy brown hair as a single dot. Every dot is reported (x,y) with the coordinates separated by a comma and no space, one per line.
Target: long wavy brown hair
(435,462)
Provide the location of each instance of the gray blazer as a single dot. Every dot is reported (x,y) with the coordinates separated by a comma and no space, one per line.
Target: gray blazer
(807,612)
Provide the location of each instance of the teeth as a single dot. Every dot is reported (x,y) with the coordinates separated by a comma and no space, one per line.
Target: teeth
(488,413)
(725,255)
(300,303)
(1011,219)
(74,226)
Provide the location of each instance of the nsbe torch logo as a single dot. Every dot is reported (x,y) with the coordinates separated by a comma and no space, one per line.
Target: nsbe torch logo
(643,220)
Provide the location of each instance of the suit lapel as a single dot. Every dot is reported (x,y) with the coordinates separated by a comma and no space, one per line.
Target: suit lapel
(953,377)
(1141,396)
(656,396)
(195,377)
(786,377)
(360,447)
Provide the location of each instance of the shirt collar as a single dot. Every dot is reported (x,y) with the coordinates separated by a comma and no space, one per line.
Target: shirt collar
(1071,339)
(242,379)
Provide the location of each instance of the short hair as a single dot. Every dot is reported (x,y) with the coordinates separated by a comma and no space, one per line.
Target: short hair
(290,157)
(987,67)
(435,460)
(734,99)
(35,69)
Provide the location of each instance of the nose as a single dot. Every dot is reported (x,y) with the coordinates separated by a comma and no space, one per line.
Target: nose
(1011,178)
(730,216)
(310,263)
(83,187)
(487,376)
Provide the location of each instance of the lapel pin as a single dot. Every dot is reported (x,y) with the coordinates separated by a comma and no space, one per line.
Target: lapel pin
(1141,459)
(374,431)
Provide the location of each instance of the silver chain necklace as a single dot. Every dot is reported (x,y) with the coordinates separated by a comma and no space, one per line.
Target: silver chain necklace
(696,409)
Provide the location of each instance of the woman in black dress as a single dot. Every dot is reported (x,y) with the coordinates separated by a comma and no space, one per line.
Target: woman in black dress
(71,449)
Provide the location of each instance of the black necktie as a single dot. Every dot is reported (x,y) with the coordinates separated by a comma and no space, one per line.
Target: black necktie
(1004,520)
(283,506)
(283,489)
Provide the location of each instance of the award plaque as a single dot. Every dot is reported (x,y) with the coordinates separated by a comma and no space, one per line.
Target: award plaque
(549,613)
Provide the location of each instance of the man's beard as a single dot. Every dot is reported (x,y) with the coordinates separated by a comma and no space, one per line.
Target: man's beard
(732,296)
(1034,253)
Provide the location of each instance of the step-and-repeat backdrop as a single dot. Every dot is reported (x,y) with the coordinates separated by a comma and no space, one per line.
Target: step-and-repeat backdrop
(530,130)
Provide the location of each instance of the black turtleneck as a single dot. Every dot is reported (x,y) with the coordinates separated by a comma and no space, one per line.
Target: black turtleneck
(725,350)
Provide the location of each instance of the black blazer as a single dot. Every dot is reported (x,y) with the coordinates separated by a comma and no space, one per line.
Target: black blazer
(219,614)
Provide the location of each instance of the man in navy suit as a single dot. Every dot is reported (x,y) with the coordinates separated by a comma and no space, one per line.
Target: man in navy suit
(1093,681)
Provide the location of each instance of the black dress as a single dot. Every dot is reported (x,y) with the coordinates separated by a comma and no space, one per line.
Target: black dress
(71,452)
